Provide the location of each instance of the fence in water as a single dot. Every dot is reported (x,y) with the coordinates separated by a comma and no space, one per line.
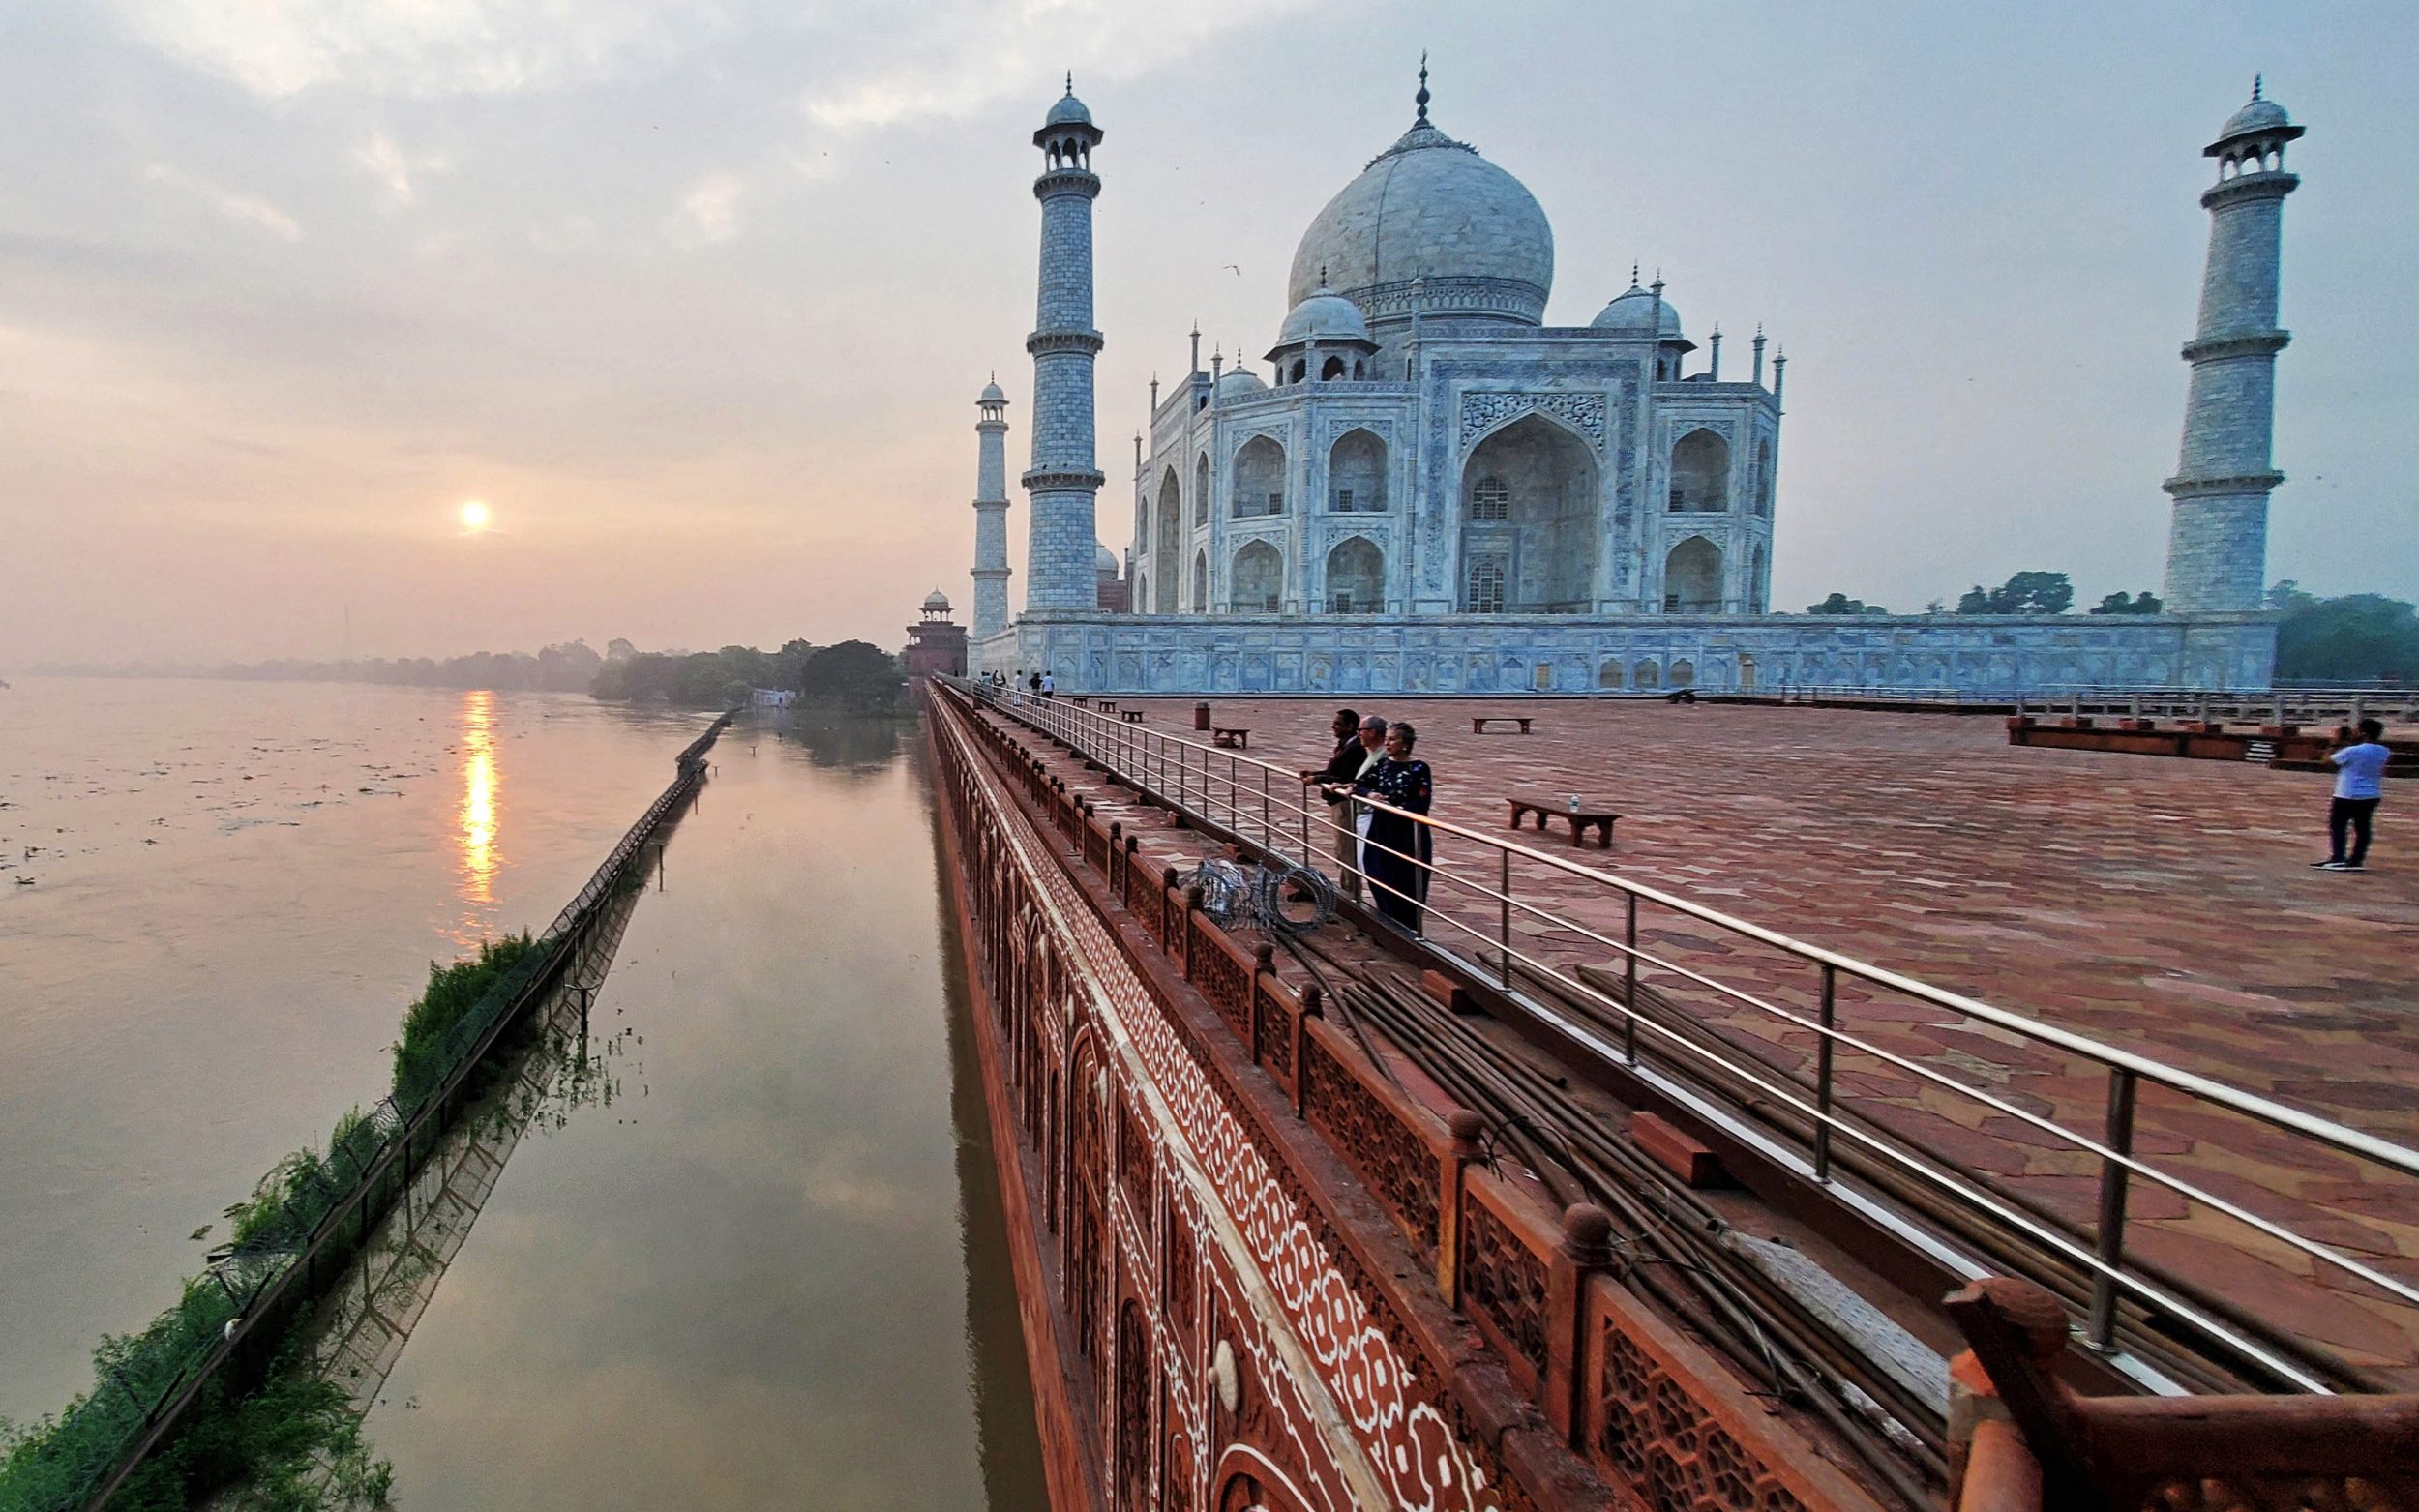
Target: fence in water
(309,1222)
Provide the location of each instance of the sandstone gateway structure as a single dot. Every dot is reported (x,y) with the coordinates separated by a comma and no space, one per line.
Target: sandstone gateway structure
(1434,491)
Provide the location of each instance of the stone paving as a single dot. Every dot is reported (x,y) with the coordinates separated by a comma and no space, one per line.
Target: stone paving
(2161,906)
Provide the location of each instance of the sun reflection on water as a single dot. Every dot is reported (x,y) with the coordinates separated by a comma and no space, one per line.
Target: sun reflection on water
(480,787)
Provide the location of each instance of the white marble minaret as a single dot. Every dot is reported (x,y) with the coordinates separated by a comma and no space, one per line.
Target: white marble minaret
(2218,542)
(991,514)
(1064,482)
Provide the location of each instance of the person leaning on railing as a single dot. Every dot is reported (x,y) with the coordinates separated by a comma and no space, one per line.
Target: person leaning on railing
(1399,851)
(1343,766)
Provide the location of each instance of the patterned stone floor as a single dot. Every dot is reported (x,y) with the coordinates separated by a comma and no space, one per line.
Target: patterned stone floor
(2161,906)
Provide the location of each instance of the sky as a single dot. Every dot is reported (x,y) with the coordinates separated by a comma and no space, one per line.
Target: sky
(696,297)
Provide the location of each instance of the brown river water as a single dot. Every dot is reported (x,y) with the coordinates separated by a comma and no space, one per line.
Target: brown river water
(770,1271)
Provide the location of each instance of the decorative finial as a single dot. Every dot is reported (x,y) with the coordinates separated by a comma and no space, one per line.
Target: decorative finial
(2255,88)
(1633,275)
(1422,99)
(1071,83)
(1322,275)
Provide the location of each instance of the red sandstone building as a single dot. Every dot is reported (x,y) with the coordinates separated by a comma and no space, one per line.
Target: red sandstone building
(935,643)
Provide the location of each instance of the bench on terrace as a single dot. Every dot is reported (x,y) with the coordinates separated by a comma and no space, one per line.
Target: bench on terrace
(1479,722)
(1235,737)
(1590,814)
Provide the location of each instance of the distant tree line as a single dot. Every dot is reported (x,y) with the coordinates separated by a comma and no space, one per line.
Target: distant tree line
(567,668)
(2025,593)
(853,675)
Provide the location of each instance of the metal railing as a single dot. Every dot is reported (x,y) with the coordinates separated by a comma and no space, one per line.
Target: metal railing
(2278,705)
(1493,908)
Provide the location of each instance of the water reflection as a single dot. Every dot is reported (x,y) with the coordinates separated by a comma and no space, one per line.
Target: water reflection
(857,743)
(480,856)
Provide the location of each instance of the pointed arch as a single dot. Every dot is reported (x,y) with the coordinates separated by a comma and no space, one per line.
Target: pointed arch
(1700,473)
(1200,582)
(1200,489)
(1529,505)
(1255,582)
(1169,533)
(1257,479)
(1693,577)
(1356,577)
(1356,473)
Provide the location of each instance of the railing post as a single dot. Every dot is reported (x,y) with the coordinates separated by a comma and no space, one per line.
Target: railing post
(1630,985)
(1586,1247)
(1504,925)
(1822,1074)
(2114,1176)
(1467,1129)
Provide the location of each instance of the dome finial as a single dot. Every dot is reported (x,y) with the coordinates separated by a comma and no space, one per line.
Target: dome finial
(1422,99)
(2255,88)
(1322,275)
(1070,82)
(1633,275)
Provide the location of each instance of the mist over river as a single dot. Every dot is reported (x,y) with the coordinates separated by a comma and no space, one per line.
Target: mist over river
(745,1281)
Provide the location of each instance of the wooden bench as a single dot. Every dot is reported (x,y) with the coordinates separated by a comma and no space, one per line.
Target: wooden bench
(1235,737)
(1130,716)
(1479,722)
(1079,700)
(1591,813)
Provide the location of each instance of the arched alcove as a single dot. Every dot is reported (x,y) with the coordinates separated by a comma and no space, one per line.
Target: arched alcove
(1759,584)
(1611,674)
(1200,582)
(1256,581)
(1356,577)
(1356,473)
(1259,479)
(1683,673)
(1170,534)
(1761,485)
(1530,502)
(1693,577)
(1700,473)
(1200,489)
(1645,676)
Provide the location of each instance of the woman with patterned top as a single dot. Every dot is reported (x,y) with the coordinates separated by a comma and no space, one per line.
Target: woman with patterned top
(1399,851)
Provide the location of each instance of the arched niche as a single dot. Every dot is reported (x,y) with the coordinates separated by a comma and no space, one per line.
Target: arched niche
(1646,674)
(1530,501)
(1356,577)
(1356,473)
(1169,532)
(1760,487)
(1255,584)
(1258,478)
(1700,473)
(1200,489)
(1693,577)
(1682,674)
(1611,674)
(1759,584)
(1200,582)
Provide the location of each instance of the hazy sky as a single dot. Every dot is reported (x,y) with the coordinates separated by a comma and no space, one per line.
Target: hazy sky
(696,297)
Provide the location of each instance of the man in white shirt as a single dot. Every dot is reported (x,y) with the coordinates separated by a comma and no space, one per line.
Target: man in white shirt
(2359,783)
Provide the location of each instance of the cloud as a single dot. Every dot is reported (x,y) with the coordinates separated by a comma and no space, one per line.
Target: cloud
(241,208)
(392,167)
(417,47)
(709,212)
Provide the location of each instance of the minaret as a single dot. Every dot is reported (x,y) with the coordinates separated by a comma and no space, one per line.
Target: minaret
(2218,542)
(1063,484)
(991,513)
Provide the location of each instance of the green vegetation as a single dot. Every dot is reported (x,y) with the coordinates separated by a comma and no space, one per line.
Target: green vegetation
(2025,593)
(292,1444)
(2357,637)
(2122,603)
(1841,604)
(853,674)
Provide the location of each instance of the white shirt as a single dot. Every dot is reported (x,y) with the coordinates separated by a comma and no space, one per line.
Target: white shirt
(2360,770)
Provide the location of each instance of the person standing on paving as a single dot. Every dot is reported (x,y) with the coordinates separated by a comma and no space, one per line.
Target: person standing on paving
(2359,784)
(1343,767)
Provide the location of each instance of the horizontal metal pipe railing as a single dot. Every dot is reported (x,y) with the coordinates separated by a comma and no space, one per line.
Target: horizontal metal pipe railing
(1246,796)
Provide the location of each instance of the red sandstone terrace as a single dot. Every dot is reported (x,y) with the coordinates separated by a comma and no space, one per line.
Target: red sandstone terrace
(1819,817)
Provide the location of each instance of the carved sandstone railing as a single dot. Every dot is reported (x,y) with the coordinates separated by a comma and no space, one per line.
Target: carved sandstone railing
(1630,1394)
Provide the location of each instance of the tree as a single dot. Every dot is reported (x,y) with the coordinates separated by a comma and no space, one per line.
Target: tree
(2123,602)
(2358,637)
(1841,604)
(2025,593)
(853,674)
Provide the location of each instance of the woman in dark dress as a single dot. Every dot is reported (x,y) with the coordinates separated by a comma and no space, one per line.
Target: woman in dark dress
(1397,883)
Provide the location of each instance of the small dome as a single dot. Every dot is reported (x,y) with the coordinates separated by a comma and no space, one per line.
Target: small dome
(992,394)
(1238,383)
(1325,316)
(1105,562)
(1632,314)
(1069,111)
(2261,115)
(937,602)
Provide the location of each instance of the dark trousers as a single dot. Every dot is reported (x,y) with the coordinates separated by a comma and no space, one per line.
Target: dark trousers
(2350,813)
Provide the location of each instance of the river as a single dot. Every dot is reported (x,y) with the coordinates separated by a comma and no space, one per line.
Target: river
(770,1270)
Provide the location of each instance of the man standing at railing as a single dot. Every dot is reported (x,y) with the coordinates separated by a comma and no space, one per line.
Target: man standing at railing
(2359,784)
(1343,768)
(1049,685)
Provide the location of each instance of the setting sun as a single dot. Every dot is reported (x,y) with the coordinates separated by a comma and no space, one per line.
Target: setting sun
(475,516)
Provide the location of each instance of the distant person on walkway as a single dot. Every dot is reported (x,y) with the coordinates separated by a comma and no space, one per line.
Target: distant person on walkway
(1343,767)
(1396,851)
(1049,685)
(2360,760)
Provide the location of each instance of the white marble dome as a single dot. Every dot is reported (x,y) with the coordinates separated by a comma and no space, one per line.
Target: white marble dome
(992,395)
(2261,115)
(1325,316)
(1104,562)
(1632,314)
(936,602)
(1431,208)
(1069,111)
(1239,381)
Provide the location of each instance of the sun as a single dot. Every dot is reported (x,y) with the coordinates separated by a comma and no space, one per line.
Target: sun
(476,517)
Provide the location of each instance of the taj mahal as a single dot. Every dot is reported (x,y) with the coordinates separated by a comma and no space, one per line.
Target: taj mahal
(1432,491)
